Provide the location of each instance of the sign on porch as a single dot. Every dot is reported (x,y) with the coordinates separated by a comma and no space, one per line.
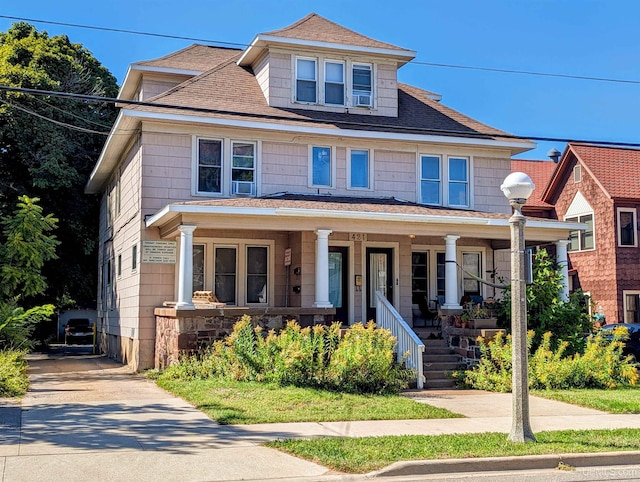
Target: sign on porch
(287,257)
(159,252)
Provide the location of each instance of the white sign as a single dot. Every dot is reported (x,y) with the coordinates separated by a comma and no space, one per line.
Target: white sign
(287,257)
(357,236)
(159,252)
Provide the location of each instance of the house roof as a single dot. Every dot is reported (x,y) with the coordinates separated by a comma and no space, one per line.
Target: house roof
(540,172)
(194,57)
(614,169)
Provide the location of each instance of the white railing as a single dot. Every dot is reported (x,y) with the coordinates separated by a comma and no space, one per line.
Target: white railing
(408,342)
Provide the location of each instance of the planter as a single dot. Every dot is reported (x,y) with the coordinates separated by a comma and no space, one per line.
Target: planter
(480,323)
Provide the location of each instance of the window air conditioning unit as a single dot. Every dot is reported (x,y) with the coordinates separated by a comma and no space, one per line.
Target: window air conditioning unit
(243,188)
(362,100)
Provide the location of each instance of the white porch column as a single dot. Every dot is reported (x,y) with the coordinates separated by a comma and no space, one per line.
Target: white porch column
(322,269)
(185,268)
(563,264)
(451,298)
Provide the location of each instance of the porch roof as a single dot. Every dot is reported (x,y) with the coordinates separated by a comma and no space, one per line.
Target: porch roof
(383,215)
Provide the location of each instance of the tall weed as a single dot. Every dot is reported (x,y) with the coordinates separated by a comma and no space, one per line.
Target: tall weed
(13,373)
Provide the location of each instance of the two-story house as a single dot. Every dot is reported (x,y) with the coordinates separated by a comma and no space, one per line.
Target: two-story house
(599,187)
(294,176)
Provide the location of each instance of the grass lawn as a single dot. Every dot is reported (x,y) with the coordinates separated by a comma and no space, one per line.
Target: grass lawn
(361,455)
(620,400)
(245,403)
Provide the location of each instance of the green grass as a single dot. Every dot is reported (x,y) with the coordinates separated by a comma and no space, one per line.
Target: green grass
(620,400)
(248,403)
(14,381)
(361,455)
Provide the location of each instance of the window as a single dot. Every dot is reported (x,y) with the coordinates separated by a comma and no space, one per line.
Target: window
(257,261)
(243,167)
(119,265)
(627,227)
(225,274)
(306,81)
(577,173)
(632,307)
(361,85)
(430,180)
(321,167)
(359,169)
(471,267)
(581,240)
(440,272)
(209,166)
(134,258)
(458,181)
(334,83)
(198,267)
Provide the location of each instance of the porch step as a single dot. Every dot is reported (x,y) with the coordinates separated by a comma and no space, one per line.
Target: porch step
(447,366)
(439,383)
(438,359)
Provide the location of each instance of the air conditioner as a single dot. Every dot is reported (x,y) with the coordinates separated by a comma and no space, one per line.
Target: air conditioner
(362,100)
(243,188)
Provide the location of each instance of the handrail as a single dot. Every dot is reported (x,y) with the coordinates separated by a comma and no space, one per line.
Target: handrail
(408,342)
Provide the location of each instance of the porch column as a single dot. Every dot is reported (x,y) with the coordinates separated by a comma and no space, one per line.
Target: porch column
(322,269)
(563,264)
(451,298)
(185,268)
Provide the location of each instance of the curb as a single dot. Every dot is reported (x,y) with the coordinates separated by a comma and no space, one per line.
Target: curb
(492,464)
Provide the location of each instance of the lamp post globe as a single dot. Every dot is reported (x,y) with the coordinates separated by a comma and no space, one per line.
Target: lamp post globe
(517,187)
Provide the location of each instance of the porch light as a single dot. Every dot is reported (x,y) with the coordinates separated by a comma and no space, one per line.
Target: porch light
(517,187)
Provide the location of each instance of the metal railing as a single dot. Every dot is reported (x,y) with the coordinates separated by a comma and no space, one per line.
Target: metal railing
(408,342)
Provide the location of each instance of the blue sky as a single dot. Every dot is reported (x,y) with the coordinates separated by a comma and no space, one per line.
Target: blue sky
(595,38)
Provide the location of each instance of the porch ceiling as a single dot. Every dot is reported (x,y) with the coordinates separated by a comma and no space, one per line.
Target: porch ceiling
(300,212)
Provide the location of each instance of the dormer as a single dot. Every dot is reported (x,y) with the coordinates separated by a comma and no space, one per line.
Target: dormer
(319,65)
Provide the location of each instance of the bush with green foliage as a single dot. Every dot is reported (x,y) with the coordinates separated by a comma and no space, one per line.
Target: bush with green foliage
(568,321)
(13,373)
(602,365)
(363,361)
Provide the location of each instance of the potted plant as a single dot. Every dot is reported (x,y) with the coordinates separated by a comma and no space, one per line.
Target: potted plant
(478,317)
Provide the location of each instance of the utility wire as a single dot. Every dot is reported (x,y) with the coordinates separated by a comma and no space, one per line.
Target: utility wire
(449,132)
(71,114)
(244,45)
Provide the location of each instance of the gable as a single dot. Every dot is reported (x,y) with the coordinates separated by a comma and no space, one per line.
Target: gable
(579,206)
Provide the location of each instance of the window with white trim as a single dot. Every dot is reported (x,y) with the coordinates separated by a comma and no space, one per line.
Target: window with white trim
(359,169)
(430,179)
(134,258)
(581,240)
(333,82)
(209,169)
(627,227)
(631,306)
(243,165)
(321,167)
(362,85)
(444,183)
(306,81)
(472,269)
(458,181)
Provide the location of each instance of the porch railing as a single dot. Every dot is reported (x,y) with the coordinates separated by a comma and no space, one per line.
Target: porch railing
(408,342)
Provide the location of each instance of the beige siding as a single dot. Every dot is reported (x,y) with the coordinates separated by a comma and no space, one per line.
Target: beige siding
(395,174)
(285,167)
(280,79)
(488,174)
(261,70)
(152,87)
(387,90)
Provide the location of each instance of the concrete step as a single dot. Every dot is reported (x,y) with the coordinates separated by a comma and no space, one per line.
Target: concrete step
(442,366)
(437,350)
(439,383)
(443,358)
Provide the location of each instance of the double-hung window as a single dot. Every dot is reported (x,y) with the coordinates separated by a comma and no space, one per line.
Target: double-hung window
(359,169)
(627,227)
(321,167)
(458,181)
(430,179)
(243,165)
(581,240)
(225,266)
(209,166)
(361,85)
(306,84)
(334,83)
(257,274)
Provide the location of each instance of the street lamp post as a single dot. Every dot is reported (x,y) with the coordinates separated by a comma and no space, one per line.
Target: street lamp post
(517,187)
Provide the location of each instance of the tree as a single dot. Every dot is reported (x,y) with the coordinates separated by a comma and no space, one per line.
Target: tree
(49,160)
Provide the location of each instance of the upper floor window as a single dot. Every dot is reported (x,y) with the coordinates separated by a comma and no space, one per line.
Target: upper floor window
(627,227)
(306,90)
(321,166)
(458,181)
(243,167)
(359,169)
(448,181)
(209,166)
(334,83)
(581,240)
(362,85)
(430,179)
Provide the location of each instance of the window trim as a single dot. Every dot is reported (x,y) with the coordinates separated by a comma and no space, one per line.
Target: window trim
(352,90)
(633,212)
(421,179)
(195,165)
(231,167)
(370,163)
(467,183)
(625,293)
(332,167)
(325,82)
(295,77)
(576,219)
(134,258)
(445,179)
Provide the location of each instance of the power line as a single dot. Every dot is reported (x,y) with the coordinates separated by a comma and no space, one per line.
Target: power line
(450,132)
(244,45)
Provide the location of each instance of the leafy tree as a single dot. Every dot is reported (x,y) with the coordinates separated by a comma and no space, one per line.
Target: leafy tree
(49,160)
(547,312)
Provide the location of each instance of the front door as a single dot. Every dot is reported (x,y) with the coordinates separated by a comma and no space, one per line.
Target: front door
(379,277)
(339,282)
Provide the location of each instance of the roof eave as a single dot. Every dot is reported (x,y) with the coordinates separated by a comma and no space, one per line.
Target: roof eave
(135,72)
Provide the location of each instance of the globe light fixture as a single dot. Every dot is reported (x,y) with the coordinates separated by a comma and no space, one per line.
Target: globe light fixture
(517,187)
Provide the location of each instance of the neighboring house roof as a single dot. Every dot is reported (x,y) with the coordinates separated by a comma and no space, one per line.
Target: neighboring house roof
(614,169)
(194,57)
(540,172)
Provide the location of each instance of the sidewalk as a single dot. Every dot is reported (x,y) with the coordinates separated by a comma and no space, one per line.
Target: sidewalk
(87,418)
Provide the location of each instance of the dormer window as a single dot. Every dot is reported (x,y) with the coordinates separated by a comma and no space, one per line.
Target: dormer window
(306,80)
(361,85)
(334,83)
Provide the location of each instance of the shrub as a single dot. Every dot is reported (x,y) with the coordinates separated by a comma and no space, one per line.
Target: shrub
(13,373)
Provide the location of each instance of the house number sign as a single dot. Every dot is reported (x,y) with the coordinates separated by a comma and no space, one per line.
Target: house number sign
(357,236)
(159,252)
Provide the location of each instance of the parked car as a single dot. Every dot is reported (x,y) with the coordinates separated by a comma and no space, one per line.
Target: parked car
(632,345)
(78,331)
